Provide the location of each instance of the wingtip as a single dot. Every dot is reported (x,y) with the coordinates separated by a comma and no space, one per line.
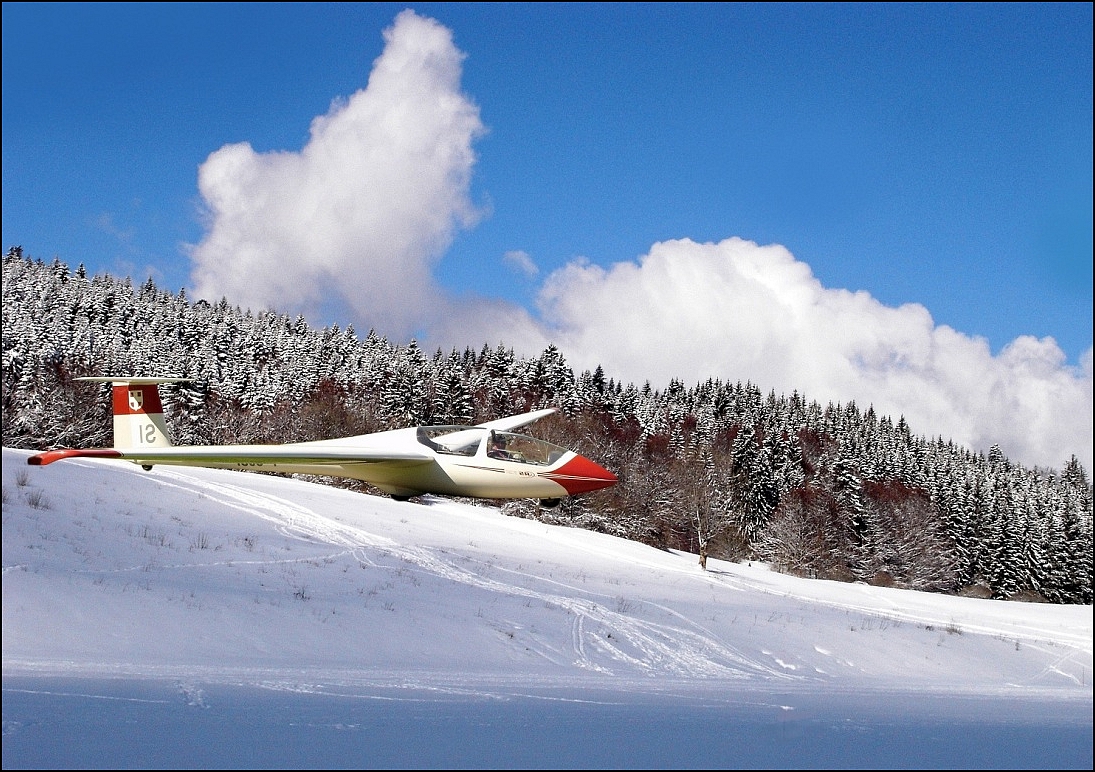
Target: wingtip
(50,456)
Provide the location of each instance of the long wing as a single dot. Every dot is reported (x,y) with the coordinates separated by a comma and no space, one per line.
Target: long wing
(517,421)
(300,453)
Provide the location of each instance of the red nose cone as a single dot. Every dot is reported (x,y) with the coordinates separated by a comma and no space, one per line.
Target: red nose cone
(580,475)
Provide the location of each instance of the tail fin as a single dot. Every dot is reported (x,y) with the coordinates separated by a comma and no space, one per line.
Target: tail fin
(138,412)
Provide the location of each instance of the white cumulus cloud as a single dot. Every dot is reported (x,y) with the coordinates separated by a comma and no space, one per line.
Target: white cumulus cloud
(739,311)
(360,216)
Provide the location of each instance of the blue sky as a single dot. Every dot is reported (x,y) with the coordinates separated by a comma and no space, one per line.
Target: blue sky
(851,200)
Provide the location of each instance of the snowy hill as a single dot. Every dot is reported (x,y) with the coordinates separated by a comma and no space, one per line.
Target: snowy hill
(443,633)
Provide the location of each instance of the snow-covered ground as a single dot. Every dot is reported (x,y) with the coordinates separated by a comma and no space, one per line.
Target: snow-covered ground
(198,618)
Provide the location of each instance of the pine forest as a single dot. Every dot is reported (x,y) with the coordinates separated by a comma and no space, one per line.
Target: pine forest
(716,468)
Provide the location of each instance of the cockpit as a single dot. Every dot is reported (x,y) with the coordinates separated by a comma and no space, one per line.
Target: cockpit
(505,446)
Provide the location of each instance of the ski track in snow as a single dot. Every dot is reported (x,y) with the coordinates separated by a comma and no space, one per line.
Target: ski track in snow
(639,644)
(607,635)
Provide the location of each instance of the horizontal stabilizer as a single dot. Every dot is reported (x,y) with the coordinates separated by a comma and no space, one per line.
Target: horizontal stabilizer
(134,381)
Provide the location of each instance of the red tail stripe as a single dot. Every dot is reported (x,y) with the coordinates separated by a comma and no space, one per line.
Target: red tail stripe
(146,397)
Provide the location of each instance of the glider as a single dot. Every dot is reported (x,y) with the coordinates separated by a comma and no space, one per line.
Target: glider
(486,461)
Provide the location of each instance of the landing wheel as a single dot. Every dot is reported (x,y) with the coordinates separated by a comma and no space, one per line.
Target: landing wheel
(401,498)
(550,503)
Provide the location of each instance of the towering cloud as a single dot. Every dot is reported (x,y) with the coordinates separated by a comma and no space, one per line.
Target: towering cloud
(360,216)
